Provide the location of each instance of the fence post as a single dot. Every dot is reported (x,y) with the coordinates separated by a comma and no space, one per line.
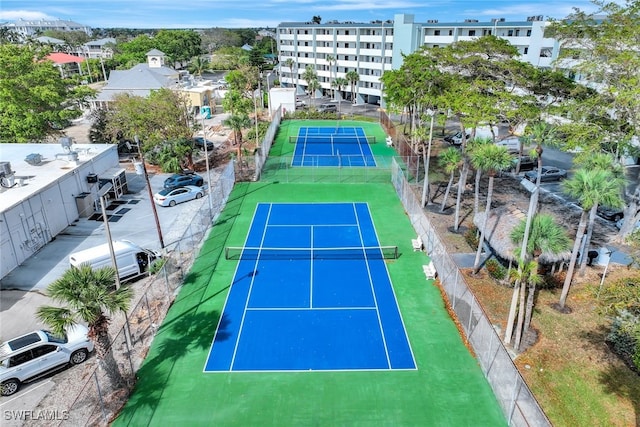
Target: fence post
(104,413)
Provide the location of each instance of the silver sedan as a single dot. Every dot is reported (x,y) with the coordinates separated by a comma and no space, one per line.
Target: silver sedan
(173,196)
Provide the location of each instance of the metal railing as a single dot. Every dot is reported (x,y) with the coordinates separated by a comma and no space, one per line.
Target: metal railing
(518,403)
(97,401)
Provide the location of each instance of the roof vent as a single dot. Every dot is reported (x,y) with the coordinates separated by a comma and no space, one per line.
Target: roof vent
(5,169)
(34,159)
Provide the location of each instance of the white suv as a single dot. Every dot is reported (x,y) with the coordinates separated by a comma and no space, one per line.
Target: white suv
(35,354)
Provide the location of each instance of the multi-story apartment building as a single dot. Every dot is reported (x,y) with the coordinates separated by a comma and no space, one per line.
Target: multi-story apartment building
(373,48)
(27,28)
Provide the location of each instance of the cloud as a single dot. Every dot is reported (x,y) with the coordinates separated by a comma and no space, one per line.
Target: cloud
(29,15)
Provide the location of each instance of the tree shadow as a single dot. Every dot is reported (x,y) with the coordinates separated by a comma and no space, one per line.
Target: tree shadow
(617,378)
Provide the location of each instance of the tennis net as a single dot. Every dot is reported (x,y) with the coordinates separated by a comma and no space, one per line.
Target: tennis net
(365,252)
(333,139)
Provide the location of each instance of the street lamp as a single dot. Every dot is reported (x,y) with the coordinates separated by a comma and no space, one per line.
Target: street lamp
(153,204)
(425,187)
(206,157)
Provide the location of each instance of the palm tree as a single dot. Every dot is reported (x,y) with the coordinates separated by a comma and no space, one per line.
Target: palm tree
(88,296)
(353,77)
(605,162)
(492,159)
(332,61)
(289,63)
(450,160)
(546,236)
(198,65)
(590,187)
(471,145)
(310,75)
(237,122)
(339,83)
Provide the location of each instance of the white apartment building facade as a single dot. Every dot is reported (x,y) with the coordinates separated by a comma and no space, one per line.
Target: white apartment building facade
(34,27)
(376,47)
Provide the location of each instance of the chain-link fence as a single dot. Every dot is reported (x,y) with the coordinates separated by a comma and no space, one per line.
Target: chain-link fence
(263,152)
(514,396)
(98,401)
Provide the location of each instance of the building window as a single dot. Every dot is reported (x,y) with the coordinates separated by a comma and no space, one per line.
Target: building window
(450,32)
(526,50)
(528,33)
(436,33)
(510,33)
(517,33)
(472,33)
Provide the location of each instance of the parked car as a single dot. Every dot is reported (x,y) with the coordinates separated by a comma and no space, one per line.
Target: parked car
(611,214)
(35,354)
(328,107)
(182,179)
(549,173)
(620,221)
(456,138)
(511,143)
(173,196)
(198,142)
(527,163)
(300,104)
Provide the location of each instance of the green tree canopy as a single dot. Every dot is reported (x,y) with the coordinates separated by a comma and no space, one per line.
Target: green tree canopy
(34,98)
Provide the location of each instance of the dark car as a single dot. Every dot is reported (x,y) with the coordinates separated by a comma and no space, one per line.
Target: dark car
(612,214)
(198,142)
(527,163)
(182,179)
(549,173)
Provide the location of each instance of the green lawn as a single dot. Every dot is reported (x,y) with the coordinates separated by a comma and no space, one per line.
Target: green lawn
(447,389)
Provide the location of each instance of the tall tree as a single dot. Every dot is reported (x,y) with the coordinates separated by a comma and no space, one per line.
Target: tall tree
(590,187)
(491,159)
(450,159)
(352,77)
(34,100)
(546,236)
(290,63)
(89,296)
(331,60)
(604,46)
(237,123)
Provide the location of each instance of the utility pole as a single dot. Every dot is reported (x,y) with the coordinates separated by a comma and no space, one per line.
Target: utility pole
(153,204)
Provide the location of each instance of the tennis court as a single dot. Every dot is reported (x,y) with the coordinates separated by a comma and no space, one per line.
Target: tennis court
(311,292)
(446,388)
(342,146)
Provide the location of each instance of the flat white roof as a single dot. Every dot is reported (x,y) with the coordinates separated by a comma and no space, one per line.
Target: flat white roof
(55,164)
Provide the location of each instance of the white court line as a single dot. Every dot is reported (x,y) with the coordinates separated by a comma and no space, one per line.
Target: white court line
(224,306)
(393,291)
(311,269)
(310,308)
(373,292)
(313,225)
(253,278)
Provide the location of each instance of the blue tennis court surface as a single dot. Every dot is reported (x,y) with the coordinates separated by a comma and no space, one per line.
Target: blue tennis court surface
(333,146)
(311,292)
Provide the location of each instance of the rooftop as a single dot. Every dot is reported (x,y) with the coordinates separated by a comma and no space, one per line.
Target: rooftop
(48,163)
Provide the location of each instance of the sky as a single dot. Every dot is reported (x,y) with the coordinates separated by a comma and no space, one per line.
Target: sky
(270,13)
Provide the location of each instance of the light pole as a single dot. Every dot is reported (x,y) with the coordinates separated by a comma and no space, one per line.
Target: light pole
(425,187)
(206,159)
(153,204)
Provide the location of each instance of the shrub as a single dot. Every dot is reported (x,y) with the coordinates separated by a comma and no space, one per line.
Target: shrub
(472,238)
(624,338)
(496,269)
(157,265)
